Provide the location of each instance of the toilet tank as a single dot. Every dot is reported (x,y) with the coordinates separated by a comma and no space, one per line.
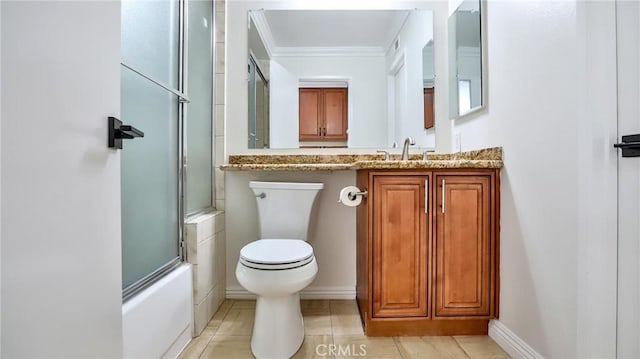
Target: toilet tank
(284,210)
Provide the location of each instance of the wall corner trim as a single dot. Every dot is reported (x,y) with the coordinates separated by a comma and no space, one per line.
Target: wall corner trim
(510,342)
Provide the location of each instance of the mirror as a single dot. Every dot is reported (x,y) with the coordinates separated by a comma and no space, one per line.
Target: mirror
(340,78)
(465,59)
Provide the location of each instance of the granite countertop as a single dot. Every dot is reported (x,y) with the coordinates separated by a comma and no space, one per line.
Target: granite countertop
(485,158)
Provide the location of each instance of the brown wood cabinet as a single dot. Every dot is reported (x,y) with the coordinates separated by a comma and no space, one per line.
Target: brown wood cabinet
(322,114)
(427,251)
(429,117)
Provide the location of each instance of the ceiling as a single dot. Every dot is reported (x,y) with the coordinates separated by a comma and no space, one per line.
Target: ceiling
(334,28)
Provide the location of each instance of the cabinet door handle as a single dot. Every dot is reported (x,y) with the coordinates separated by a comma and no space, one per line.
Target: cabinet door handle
(426,196)
(443,196)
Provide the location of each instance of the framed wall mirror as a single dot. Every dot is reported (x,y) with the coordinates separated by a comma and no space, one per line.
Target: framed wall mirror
(467,73)
(340,78)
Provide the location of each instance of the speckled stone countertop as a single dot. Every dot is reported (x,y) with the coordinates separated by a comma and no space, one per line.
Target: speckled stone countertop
(485,158)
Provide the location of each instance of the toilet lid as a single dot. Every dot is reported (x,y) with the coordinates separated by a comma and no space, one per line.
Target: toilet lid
(282,253)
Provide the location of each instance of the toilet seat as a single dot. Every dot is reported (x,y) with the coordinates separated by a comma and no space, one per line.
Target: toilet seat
(276,254)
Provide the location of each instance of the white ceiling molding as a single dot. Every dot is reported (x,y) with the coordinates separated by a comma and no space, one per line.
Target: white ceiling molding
(262,26)
(342,51)
(324,82)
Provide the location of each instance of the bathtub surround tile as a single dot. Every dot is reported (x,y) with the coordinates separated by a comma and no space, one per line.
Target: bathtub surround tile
(480,346)
(237,322)
(220,204)
(315,346)
(349,346)
(219,150)
(219,129)
(219,182)
(220,53)
(200,319)
(206,252)
(229,347)
(219,89)
(220,4)
(219,25)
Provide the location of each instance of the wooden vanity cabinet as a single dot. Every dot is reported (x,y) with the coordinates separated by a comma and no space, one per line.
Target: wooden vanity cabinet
(427,251)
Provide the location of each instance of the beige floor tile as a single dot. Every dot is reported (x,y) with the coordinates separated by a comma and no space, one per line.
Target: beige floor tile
(480,346)
(314,306)
(358,346)
(317,324)
(195,347)
(244,304)
(315,346)
(237,322)
(228,347)
(346,324)
(214,323)
(429,347)
(343,307)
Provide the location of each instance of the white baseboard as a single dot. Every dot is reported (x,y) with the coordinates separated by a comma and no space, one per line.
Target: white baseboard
(510,342)
(309,293)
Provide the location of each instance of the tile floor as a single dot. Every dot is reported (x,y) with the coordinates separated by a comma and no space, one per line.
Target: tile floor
(228,336)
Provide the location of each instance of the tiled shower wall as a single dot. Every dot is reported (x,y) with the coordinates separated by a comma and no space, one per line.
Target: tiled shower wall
(206,252)
(205,234)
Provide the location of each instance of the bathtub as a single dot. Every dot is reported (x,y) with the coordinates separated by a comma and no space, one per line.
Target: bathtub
(158,322)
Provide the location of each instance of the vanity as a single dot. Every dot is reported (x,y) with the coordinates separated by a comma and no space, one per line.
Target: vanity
(427,251)
(427,237)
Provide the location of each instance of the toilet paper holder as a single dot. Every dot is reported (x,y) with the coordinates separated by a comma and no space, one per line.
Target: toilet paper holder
(353,195)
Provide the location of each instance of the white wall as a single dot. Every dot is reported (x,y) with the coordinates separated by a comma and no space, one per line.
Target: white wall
(550,81)
(367,93)
(416,32)
(61,266)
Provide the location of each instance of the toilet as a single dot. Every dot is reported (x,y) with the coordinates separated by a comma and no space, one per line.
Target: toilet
(278,265)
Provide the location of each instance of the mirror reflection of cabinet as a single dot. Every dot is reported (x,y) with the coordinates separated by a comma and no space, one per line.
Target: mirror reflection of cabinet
(466,78)
(323,114)
(428,107)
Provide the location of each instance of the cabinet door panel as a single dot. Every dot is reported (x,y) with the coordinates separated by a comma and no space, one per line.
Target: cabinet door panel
(399,247)
(310,113)
(335,111)
(428,97)
(462,246)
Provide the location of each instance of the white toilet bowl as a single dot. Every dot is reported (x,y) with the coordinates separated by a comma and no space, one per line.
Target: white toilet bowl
(276,270)
(279,265)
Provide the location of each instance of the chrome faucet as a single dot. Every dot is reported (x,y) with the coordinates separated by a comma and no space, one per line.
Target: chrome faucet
(405,148)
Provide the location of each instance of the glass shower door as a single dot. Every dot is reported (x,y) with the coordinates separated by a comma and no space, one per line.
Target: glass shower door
(151,94)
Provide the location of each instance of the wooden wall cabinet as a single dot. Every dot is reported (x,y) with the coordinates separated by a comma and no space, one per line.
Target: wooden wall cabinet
(322,114)
(427,251)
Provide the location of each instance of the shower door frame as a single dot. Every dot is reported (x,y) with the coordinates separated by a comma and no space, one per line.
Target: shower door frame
(146,281)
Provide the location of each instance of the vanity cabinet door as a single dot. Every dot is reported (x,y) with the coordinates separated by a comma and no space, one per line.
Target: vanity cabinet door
(310,114)
(400,247)
(335,114)
(322,114)
(463,268)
